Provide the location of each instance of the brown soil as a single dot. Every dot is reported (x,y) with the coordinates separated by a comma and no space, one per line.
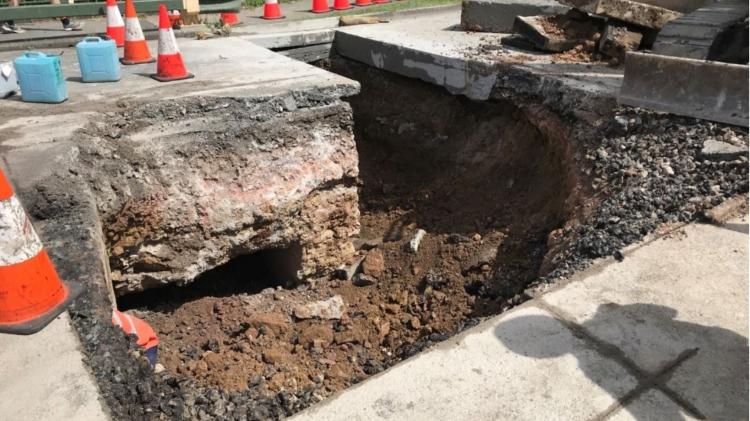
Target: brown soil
(485,184)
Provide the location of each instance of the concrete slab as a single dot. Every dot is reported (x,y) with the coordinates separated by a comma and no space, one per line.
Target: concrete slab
(683,294)
(522,365)
(652,405)
(498,15)
(43,377)
(696,88)
(221,66)
(432,49)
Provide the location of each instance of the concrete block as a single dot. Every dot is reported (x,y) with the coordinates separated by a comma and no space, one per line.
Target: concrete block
(524,365)
(498,15)
(703,89)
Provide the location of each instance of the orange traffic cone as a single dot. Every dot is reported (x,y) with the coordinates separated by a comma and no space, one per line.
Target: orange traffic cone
(271,10)
(115,25)
(341,5)
(230,18)
(362,3)
(136,49)
(320,6)
(31,293)
(169,65)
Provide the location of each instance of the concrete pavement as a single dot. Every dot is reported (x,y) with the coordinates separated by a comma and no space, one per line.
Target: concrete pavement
(42,377)
(659,336)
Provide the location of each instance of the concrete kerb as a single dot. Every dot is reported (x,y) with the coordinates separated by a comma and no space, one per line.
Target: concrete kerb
(703,89)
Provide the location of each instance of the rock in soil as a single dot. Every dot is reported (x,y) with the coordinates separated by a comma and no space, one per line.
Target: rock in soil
(331,308)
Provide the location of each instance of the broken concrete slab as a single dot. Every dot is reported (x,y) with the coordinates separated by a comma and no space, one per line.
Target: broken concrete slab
(43,377)
(634,12)
(498,15)
(556,33)
(529,366)
(709,90)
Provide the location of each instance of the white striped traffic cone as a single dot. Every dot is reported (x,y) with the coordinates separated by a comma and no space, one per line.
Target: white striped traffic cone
(115,24)
(169,64)
(136,49)
(31,293)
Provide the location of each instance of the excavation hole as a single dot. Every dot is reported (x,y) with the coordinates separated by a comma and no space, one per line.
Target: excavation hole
(486,181)
(244,274)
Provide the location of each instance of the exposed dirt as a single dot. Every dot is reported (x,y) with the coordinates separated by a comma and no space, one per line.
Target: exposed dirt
(486,186)
(427,161)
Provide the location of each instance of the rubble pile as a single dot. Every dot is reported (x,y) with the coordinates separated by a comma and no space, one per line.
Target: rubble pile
(600,29)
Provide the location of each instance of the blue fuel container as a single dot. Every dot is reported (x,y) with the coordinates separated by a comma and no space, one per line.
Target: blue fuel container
(40,77)
(98,60)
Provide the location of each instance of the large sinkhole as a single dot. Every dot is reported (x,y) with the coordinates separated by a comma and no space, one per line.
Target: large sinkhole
(487,182)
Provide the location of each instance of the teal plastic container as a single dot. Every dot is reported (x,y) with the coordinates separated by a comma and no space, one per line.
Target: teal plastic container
(40,77)
(98,60)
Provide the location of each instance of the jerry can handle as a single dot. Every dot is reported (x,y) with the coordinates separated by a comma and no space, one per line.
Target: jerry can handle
(92,39)
(33,54)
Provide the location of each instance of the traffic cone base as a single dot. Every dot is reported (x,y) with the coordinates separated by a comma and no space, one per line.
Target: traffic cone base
(230,18)
(142,61)
(271,10)
(381,1)
(320,6)
(169,79)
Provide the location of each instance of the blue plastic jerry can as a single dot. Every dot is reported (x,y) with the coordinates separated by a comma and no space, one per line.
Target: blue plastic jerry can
(98,60)
(40,77)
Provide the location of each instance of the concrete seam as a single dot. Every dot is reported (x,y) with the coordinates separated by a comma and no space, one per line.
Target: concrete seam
(645,379)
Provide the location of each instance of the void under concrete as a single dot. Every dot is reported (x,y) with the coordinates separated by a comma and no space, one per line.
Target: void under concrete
(661,335)
(432,47)
(42,377)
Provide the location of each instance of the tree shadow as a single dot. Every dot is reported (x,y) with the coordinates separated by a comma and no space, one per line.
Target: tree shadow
(720,379)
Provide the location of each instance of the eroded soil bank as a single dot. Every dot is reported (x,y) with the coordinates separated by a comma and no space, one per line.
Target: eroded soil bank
(507,200)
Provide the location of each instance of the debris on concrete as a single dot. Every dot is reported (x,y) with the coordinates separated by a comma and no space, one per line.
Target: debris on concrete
(616,41)
(332,308)
(734,207)
(557,33)
(630,11)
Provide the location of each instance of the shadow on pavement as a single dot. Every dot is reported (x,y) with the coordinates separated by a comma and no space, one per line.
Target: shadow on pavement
(671,335)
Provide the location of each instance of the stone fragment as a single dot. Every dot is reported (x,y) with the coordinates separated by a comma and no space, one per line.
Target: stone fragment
(616,41)
(557,33)
(346,273)
(366,243)
(158,368)
(317,332)
(363,280)
(374,263)
(275,322)
(417,240)
(331,308)
(414,323)
(716,150)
